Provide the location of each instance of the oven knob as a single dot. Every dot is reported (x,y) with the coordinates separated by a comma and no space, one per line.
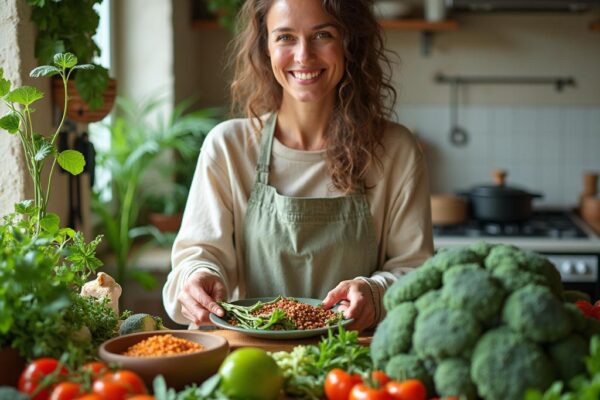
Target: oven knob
(567,267)
(581,267)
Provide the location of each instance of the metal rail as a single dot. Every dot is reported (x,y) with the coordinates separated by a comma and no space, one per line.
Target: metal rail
(558,82)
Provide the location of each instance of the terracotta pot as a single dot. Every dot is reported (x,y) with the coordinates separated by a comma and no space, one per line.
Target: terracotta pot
(165,223)
(448,209)
(77,109)
(11,366)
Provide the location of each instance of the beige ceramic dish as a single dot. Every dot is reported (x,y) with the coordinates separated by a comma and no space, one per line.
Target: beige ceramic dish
(178,370)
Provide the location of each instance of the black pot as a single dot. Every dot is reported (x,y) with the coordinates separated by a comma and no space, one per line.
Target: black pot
(500,203)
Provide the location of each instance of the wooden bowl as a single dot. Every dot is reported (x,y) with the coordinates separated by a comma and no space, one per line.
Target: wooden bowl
(448,209)
(178,370)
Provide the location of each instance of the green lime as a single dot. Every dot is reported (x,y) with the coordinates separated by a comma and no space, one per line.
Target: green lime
(250,373)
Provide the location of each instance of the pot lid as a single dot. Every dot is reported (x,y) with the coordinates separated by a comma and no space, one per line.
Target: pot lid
(499,188)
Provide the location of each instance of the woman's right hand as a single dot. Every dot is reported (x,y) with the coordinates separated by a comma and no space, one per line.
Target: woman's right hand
(199,296)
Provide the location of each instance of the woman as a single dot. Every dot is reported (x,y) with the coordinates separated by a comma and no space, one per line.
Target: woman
(314,194)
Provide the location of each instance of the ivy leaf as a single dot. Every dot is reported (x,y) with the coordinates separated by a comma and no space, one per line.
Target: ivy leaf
(25,207)
(65,60)
(10,122)
(91,85)
(50,223)
(71,161)
(24,95)
(44,151)
(44,70)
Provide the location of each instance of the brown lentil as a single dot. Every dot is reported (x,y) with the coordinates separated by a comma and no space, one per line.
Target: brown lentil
(304,316)
(162,345)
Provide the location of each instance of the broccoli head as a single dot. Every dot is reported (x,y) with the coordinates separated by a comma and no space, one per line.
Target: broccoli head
(397,327)
(452,378)
(505,365)
(568,355)
(473,289)
(446,259)
(537,313)
(443,332)
(408,366)
(412,285)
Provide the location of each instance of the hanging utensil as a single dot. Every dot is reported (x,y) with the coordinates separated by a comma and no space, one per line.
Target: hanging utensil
(458,135)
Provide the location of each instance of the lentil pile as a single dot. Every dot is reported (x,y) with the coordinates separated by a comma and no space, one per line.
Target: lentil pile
(304,316)
(162,345)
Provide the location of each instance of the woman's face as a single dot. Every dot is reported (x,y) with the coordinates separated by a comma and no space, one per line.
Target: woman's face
(306,50)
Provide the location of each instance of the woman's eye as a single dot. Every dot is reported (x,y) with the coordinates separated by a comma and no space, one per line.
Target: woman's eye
(284,38)
(323,35)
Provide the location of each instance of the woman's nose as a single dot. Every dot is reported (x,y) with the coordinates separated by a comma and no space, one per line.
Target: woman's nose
(303,51)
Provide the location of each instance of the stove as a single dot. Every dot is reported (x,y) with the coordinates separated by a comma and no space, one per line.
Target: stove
(559,235)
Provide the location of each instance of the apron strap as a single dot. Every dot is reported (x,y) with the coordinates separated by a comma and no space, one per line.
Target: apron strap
(266,143)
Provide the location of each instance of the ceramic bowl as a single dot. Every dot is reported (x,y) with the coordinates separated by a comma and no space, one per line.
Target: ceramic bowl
(178,370)
(389,9)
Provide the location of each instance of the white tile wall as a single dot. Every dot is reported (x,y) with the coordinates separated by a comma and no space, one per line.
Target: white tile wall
(544,149)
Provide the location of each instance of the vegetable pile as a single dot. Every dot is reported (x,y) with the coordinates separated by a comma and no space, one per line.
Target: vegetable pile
(484,321)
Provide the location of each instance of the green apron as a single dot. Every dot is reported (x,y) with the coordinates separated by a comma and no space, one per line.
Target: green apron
(303,247)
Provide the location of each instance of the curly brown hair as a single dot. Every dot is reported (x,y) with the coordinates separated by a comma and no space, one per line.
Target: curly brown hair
(365,96)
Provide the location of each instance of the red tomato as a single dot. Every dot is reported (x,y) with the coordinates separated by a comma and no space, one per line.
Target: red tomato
(363,392)
(90,396)
(339,383)
(66,391)
(411,389)
(585,307)
(95,368)
(380,377)
(35,372)
(141,397)
(119,385)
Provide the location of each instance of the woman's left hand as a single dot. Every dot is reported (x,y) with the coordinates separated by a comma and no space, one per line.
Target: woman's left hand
(356,302)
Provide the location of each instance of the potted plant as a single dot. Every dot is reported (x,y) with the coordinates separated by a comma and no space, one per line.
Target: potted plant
(139,135)
(43,266)
(225,11)
(70,25)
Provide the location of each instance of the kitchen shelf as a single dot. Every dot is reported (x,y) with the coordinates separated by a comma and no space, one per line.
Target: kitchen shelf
(427,29)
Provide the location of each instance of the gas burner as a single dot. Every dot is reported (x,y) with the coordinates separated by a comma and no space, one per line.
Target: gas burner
(543,224)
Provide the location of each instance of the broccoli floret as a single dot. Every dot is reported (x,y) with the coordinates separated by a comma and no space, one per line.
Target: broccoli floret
(501,254)
(568,356)
(433,297)
(471,288)
(411,286)
(441,332)
(448,258)
(409,366)
(397,327)
(513,278)
(505,365)
(482,249)
(453,378)
(537,314)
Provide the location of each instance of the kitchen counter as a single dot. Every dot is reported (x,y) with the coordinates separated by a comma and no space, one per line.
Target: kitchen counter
(587,245)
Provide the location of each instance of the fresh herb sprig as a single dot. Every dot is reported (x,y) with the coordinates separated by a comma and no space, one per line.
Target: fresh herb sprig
(245,318)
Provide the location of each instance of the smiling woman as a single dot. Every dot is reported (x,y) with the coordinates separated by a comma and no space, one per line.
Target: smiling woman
(315,193)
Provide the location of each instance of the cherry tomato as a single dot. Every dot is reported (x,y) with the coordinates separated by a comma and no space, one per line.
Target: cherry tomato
(363,392)
(119,385)
(141,397)
(380,377)
(35,372)
(410,389)
(585,306)
(90,396)
(339,383)
(66,391)
(95,368)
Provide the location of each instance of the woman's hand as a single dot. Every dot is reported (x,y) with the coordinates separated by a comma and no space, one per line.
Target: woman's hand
(199,296)
(356,302)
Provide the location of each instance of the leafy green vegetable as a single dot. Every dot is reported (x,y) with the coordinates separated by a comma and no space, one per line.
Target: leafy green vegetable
(244,317)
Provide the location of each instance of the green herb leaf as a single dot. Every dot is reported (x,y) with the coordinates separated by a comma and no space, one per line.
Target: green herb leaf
(44,70)
(46,47)
(84,66)
(24,95)
(71,161)
(44,150)
(50,223)
(91,85)
(4,84)
(65,60)
(25,207)
(10,122)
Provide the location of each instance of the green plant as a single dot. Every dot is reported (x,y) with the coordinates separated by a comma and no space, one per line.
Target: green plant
(36,147)
(138,136)
(225,11)
(43,266)
(70,25)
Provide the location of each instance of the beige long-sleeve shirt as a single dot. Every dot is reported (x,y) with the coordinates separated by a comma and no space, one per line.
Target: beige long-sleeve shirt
(212,235)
